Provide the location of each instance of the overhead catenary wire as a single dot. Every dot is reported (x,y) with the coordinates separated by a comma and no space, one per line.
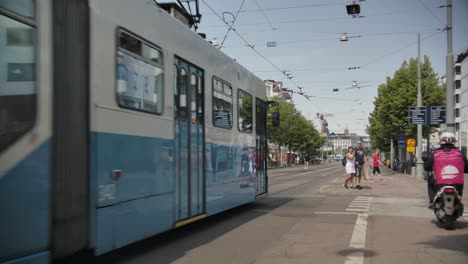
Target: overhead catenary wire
(301,21)
(397,50)
(320,39)
(232,24)
(264,15)
(280,8)
(263,56)
(432,13)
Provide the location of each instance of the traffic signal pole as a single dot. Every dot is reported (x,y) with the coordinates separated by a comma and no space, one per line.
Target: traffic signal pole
(450,64)
(419,161)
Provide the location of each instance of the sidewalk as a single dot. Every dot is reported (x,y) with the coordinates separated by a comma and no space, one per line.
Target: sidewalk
(395,185)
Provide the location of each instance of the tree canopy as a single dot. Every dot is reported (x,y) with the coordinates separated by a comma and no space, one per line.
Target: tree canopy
(294,131)
(396,96)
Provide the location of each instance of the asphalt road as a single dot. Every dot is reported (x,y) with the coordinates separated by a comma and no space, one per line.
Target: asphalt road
(309,217)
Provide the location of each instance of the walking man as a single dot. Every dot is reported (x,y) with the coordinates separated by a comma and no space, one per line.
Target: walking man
(361,161)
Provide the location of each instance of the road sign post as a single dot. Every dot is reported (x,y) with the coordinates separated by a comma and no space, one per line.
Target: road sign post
(437,115)
(417,115)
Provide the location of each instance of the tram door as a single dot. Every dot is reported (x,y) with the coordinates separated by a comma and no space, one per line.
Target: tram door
(189,140)
(262,146)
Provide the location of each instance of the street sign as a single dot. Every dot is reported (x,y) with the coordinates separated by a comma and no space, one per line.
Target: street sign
(410,145)
(417,115)
(401,143)
(437,115)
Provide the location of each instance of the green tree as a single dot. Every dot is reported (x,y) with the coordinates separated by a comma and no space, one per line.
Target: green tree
(295,131)
(396,96)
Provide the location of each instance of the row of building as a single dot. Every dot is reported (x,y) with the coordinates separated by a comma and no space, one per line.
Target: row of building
(461,100)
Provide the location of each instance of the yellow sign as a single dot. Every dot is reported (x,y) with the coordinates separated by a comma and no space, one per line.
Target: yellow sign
(410,149)
(411,142)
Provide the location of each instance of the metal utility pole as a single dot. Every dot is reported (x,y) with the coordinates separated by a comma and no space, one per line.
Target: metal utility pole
(392,154)
(450,100)
(419,162)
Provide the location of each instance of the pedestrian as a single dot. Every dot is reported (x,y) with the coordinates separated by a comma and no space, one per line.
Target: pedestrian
(449,165)
(350,167)
(360,163)
(306,161)
(375,164)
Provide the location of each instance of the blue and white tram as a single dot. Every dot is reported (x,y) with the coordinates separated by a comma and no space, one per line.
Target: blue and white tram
(117,122)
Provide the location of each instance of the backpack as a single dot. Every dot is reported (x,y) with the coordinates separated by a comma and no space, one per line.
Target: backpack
(449,167)
(343,161)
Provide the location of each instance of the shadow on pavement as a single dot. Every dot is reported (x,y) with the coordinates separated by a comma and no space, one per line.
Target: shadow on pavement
(451,242)
(349,251)
(457,224)
(174,244)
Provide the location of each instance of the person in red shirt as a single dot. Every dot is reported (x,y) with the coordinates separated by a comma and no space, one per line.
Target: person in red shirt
(375,164)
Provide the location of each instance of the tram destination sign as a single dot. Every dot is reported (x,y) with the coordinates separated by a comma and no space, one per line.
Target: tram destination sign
(417,115)
(437,114)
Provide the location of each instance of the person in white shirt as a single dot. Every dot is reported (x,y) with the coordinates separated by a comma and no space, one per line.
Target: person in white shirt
(350,166)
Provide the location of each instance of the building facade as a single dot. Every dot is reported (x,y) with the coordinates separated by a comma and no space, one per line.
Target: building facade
(275,88)
(461,100)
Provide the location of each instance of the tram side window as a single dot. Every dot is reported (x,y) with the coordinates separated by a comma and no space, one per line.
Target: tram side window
(139,75)
(222,104)
(17,74)
(244,119)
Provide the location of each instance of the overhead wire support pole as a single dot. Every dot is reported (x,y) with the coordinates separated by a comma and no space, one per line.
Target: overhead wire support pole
(449,77)
(419,162)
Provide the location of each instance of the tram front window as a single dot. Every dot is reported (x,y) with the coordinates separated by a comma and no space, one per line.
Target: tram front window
(17,79)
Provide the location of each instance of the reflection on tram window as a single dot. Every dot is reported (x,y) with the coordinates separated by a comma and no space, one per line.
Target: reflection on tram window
(222,104)
(245,111)
(17,82)
(139,75)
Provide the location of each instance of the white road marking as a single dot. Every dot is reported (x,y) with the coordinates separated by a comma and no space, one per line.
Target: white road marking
(337,213)
(361,205)
(357,210)
(357,202)
(355,258)
(357,206)
(362,198)
(310,195)
(358,240)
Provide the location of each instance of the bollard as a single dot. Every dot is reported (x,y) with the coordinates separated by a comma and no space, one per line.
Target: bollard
(413,171)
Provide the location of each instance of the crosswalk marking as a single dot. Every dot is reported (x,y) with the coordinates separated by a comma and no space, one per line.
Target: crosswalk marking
(357,210)
(360,204)
(363,206)
(354,203)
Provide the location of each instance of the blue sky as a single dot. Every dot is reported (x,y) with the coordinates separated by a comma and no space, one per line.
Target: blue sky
(307,35)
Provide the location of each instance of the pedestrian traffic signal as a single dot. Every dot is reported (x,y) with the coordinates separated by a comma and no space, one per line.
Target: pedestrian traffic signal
(276,119)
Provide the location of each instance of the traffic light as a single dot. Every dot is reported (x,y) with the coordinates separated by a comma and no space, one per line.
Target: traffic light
(353,9)
(276,119)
